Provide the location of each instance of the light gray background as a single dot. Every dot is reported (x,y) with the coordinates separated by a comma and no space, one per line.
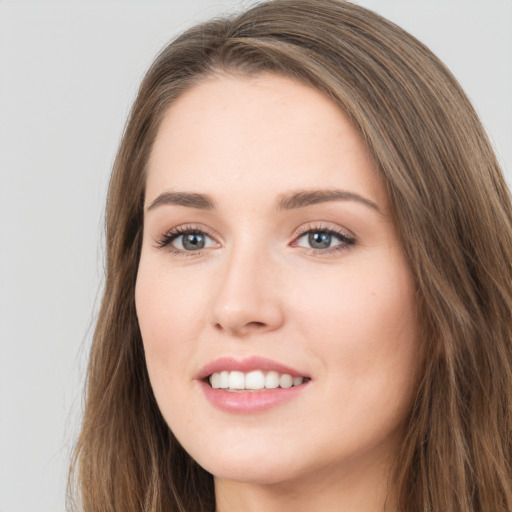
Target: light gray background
(68,74)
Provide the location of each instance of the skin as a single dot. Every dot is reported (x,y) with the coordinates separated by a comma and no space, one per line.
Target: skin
(344,316)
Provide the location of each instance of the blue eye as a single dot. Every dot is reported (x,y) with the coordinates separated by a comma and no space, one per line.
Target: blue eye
(190,241)
(320,240)
(324,239)
(186,240)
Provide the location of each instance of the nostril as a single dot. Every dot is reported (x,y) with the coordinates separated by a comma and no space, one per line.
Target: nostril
(247,327)
(256,324)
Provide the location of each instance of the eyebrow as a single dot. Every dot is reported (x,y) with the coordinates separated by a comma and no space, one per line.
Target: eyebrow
(190,199)
(303,198)
(290,201)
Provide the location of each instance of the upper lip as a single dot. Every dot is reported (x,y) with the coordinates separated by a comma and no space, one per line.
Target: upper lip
(246,365)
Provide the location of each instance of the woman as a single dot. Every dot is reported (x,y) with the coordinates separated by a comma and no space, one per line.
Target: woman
(308,301)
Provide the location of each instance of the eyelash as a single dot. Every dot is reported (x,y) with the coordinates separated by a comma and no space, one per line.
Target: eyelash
(346,241)
(165,240)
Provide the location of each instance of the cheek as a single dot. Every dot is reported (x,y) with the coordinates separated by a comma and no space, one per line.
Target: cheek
(363,320)
(357,298)
(362,329)
(168,310)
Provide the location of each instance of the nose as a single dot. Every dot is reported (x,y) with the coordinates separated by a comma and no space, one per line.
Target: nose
(248,296)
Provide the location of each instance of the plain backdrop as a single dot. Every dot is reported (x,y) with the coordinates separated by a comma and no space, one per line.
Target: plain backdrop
(69,71)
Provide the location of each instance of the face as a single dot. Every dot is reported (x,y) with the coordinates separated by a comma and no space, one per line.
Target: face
(275,304)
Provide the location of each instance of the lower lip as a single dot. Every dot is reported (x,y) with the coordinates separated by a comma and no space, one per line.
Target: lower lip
(249,402)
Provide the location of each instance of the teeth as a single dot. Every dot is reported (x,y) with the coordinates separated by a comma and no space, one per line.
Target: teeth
(286,381)
(236,380)
(254,380)
(215,380)
(272,380)
(223,380)
(297,381)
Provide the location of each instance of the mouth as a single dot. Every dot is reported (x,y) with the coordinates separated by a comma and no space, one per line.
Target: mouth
(255,380)
(250,385)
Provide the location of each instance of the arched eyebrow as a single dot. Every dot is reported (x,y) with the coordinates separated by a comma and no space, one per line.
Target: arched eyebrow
(289,201)
(303,198)
(190,199)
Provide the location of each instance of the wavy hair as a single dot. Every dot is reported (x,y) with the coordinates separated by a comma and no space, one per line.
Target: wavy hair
(453,213)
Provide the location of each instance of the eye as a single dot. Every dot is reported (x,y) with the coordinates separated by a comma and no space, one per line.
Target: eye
(192,241)
(185,239)
(324,239)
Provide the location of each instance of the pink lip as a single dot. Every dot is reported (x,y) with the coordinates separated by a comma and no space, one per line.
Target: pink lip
(247,402)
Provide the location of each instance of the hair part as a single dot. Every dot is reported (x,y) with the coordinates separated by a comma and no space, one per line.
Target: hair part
(453,213)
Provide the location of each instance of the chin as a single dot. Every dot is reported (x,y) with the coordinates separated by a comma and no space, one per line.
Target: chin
(263,466)
(252,472)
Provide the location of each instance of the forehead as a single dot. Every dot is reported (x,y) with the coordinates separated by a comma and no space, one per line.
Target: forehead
(261,134)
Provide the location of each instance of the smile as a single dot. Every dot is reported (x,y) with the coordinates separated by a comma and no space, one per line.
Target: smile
(252,381)
(250,385)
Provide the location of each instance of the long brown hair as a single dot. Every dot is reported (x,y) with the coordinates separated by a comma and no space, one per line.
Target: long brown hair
(453,213)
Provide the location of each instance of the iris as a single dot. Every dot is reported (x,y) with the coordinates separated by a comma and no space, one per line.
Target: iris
(319,240)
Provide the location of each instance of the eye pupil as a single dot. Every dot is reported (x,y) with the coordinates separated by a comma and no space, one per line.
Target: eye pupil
(319,240)
(193,241)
